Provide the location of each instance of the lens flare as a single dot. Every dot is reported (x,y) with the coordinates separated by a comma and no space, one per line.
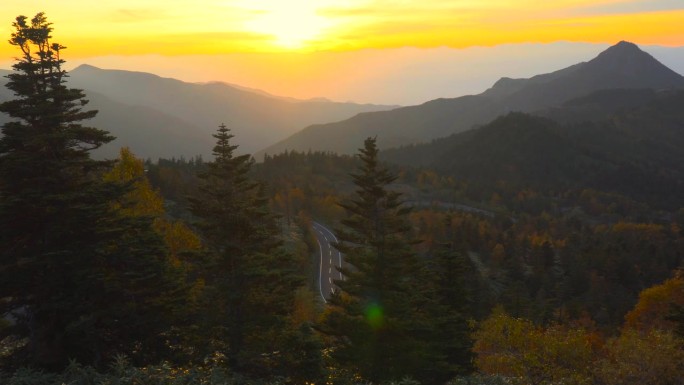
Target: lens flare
(374,315)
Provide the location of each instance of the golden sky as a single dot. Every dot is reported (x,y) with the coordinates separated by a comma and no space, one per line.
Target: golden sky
(379,51)
(197,27)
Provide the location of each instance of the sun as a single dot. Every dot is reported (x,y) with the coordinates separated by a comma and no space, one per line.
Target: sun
(292,23)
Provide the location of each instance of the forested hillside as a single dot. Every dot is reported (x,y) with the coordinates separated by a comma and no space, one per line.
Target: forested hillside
(636,152)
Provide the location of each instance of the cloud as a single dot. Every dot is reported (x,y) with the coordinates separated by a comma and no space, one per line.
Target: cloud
(384,23)
(194,43)
(128,15)
(628,7)
(219,26)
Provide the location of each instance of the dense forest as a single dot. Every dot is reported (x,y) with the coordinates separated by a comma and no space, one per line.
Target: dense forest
(526,251)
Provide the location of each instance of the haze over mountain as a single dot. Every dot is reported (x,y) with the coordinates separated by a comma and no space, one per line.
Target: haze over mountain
(623,65)
(403,76)
(162,117)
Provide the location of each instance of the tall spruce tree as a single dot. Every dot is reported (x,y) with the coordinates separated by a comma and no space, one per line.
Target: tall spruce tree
(251,280)
(79,280)
(380,319)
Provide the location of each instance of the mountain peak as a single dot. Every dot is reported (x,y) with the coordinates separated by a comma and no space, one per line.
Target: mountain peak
(624,49)
(86,67)
(624,44)
(629,61)
(623,54)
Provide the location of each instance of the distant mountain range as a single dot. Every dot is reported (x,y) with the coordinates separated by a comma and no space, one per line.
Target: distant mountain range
(622,66)
(162,117)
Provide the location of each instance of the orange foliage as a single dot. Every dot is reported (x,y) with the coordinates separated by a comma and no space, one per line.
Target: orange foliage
(143,200)
(304,307)
(642,230)
(178,237)
(655,357)
(654,306)
(515,347)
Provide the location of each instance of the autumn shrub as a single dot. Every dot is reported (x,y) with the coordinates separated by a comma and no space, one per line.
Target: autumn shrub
(518,349)
(656,305)
(655,357)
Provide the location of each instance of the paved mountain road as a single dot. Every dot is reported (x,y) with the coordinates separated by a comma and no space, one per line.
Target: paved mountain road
(329,260)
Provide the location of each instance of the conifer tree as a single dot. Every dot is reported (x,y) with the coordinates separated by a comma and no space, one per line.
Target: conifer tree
(251,281)
(379,320)
(79,280)
(451,300)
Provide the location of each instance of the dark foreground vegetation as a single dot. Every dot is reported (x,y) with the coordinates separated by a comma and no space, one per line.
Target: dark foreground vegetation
(181,272)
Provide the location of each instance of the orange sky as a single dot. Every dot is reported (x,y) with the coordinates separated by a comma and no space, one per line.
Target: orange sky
(297,34)
(173,27)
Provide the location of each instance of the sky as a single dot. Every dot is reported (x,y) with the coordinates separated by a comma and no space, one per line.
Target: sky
(312,48)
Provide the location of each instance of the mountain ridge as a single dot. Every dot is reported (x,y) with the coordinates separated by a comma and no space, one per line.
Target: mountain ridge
(148,102)
(623,65)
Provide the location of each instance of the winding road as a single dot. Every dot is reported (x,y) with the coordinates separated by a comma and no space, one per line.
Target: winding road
(329,260)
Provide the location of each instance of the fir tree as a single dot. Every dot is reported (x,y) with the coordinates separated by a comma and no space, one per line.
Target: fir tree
(251,281)
(79,280)
(379,320)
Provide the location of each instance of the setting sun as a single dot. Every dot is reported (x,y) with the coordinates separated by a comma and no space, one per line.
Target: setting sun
(176,27)
(291,23)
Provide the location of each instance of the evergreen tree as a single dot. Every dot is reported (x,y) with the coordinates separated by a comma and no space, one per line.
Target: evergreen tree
(79,280)
(450,315)
(251,281)
(233,209)
(379,320)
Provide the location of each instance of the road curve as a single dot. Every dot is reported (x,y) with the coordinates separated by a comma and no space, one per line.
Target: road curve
(329,260)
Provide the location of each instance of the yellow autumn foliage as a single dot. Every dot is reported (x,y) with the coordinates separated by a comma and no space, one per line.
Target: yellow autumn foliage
(655,305)
(516,348)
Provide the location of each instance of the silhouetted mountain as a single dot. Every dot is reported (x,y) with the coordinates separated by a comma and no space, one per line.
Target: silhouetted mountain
(178,118)
(622,66)
(638,152)
(149,133)
(393,128)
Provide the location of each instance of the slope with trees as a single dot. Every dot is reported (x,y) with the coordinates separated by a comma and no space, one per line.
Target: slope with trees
(636,153)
